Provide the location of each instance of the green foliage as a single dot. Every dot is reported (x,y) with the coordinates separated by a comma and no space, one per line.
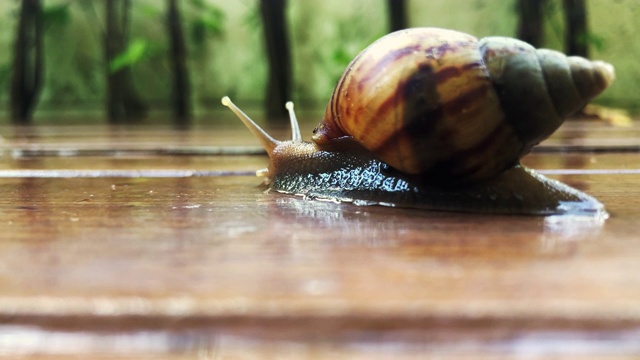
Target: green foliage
(199,4)
(344,51)
(341,56)
(596,41)
(207,20)
(253,19)
(137,50)
(149,11)
(56,15)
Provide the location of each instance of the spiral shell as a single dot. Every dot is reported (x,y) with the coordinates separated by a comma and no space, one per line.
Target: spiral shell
(457,109)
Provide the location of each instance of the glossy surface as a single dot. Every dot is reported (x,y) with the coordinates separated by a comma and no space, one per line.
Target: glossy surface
(356,177)
(442,102)
(212,267)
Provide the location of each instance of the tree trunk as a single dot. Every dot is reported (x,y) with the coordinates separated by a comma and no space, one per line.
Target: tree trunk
(397,14)
(575,12)
(178,59)
(530,24)
(26,80)
(275,32)
(123,102)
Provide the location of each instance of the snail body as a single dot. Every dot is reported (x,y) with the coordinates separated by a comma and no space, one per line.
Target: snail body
(437,119)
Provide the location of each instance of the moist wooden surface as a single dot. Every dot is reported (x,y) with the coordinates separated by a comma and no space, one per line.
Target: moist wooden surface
(149,242)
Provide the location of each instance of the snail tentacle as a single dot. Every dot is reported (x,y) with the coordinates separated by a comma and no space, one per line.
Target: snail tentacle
(296,135)
(266,140)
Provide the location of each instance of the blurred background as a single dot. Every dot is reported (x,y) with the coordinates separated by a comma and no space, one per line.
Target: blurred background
(148,61)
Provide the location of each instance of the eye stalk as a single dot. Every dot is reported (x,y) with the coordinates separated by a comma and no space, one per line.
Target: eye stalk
(267,141)
(296,136)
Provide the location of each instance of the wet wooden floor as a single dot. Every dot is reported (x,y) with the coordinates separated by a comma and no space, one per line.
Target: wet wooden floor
(148,242)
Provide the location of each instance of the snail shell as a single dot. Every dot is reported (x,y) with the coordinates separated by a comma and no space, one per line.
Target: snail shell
(440,102)
(437,119)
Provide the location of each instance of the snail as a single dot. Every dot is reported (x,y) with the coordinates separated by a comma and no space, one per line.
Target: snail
(437,119)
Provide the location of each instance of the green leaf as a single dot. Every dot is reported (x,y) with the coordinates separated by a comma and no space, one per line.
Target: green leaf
(56,15)
(199,4)
(595,40)
(213,22)
(136,51)
(210,22)
(341,56)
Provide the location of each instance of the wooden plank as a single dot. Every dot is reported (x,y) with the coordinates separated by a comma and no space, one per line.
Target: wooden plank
(181,267)
(147,253)
(230,134)
(132,162)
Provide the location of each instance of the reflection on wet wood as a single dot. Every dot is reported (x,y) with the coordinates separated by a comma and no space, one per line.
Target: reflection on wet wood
(173,267)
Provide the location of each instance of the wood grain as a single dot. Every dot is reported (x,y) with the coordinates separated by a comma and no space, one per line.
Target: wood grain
(214,267)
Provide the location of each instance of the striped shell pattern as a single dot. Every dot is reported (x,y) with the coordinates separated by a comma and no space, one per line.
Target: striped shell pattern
(445,104)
